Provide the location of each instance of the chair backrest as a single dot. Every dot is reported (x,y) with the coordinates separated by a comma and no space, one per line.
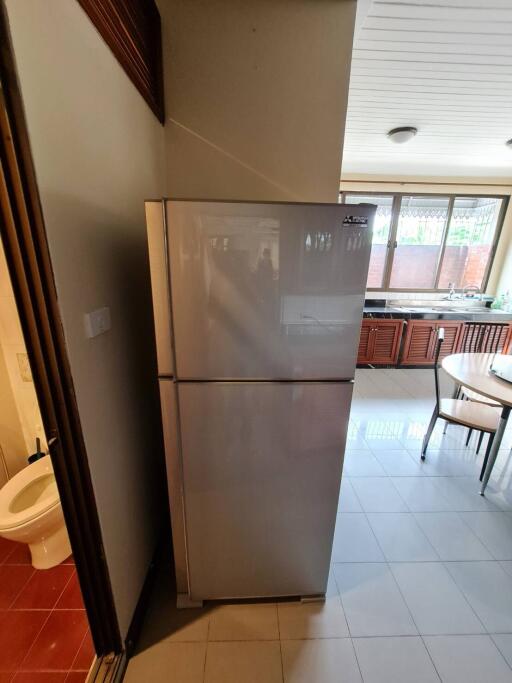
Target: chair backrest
(439,343)
(483,337)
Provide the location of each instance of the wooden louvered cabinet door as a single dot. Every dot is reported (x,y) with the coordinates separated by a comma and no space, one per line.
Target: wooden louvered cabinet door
(386,342)
(363,352)
(507,347)
(379,343)
(452,335)
(505,338)
(484,337)
(420,340)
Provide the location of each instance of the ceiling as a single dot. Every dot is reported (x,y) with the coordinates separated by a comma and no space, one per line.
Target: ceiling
(443,66)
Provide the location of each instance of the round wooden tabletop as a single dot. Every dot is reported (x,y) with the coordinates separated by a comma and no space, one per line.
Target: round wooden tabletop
(472,370)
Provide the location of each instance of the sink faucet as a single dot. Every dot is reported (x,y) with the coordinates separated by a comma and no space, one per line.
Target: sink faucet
(451,286)
(475,289)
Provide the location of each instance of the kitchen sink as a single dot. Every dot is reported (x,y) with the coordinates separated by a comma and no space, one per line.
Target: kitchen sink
(442,309)
(462,307)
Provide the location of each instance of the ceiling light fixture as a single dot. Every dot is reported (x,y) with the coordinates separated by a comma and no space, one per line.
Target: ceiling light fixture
(403,134)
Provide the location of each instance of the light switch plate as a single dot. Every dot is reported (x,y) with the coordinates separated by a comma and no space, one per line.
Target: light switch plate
(24,366)
(97,322)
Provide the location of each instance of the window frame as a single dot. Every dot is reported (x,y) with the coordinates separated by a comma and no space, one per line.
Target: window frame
(392,241)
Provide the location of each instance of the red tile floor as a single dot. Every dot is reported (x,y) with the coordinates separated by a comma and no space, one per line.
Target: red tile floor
(44,634)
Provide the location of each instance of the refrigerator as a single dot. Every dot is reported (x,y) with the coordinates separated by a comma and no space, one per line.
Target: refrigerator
(257,310)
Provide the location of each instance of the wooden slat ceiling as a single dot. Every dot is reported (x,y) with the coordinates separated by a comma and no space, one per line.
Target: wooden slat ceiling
(443,66)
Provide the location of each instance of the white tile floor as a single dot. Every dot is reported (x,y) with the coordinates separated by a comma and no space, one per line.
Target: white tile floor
(421,584)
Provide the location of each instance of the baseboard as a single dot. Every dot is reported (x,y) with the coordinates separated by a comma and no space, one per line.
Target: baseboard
(142,604)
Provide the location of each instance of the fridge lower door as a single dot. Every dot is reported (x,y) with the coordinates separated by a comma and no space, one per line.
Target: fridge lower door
(262,466)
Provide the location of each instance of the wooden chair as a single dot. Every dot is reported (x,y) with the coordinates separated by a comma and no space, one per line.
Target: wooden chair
(472,414)
(479,337)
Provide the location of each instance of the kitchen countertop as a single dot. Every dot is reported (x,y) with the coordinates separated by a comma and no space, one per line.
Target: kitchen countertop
(425,313)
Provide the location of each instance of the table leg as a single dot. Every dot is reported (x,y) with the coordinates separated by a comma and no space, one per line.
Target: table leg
(505,412)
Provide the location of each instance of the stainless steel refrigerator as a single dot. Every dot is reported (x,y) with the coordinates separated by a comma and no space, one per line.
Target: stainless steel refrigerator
(257,311)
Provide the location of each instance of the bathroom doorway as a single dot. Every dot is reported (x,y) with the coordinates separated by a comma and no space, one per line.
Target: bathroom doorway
(43,623)
(39,605)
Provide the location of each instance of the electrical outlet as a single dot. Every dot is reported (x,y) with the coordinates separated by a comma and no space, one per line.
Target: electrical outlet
(97,322)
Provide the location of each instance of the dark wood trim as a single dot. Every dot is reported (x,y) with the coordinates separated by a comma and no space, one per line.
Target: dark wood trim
(132,30)
(23,235)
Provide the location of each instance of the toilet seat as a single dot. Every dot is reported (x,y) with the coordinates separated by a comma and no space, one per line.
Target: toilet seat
(28,495)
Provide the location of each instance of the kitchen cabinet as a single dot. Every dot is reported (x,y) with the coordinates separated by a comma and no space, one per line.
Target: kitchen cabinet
(507,347)
(485,337)
(379,342)
(420,340)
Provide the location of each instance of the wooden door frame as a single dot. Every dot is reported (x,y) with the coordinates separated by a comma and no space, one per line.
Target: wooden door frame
(23,234)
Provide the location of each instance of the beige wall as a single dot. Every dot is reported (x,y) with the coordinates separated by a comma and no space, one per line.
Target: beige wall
(501,275)
(27,424)
(500,278)
(12,443)
(98,153)
(256,95)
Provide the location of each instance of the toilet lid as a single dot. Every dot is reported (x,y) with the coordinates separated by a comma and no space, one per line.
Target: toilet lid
(28,494)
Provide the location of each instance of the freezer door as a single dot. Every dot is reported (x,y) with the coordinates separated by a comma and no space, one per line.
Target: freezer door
(261,471)
(267,291)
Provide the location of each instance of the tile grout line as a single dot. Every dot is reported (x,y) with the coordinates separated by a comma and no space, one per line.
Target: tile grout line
(459,515)
(486,630)
(357,659)
(420,635)
(34,640)
(207,648)
(341,602)
(391,572)
(10,608)
(499,650)
(280,643)
(78,651)
(62,591)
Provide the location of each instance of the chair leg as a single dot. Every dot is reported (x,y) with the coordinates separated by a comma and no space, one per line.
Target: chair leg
(445,427)
(470,431)
(430,429)
(479,442)
(486,458)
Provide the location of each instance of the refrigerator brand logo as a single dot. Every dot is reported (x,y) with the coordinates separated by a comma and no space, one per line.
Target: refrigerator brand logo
(356,220)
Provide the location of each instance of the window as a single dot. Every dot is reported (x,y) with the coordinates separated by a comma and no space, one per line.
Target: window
(431,242)
(381,230)
(419,238)
(470,240)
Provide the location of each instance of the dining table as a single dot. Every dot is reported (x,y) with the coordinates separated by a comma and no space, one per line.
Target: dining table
(473,370)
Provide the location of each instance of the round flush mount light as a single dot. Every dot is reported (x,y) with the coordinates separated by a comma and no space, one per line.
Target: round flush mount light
(403,134)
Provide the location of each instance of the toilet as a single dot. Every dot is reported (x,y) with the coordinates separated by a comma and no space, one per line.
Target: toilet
(30,512)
